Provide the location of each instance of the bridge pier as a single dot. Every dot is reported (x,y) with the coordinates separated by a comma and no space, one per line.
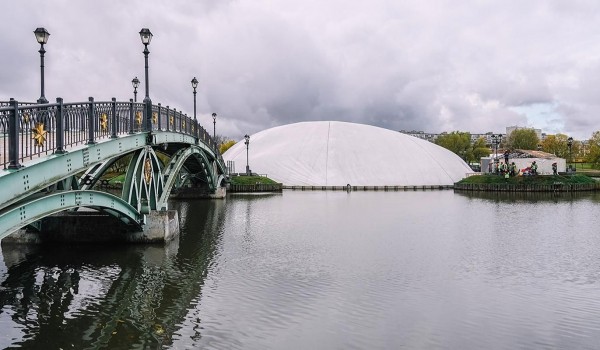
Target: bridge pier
(161,226)
(194,193)
(96,227)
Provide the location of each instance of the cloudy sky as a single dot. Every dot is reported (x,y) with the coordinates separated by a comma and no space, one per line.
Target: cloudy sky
(431,65)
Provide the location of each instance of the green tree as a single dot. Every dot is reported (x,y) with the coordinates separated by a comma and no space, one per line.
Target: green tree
(557,145)
(593,155)
(479,149)
(226,145)
(573,154)
(457,142)
(522,139)
(577,150)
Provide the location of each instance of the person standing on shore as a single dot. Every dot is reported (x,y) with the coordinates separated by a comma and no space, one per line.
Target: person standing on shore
(534,168)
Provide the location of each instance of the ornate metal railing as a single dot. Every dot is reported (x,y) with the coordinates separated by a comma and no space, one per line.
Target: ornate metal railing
(7,103)
(30,130)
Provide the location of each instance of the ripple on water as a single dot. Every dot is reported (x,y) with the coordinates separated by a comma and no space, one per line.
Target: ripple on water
(360,270)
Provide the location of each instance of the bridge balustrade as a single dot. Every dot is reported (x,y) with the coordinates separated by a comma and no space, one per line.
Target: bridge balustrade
(7,103)
(31,130)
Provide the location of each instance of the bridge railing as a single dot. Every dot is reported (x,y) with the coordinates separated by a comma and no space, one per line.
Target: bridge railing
(31,130)
(7,103)
(167,119)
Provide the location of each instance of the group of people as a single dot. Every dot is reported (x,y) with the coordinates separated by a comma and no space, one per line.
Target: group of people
(504,169)
(532,170)
(507,169)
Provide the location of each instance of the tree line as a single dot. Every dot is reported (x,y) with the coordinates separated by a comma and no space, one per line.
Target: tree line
(525,139)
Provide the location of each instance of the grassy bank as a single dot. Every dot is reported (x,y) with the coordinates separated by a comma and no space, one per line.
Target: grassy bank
(251,180)
(528,180)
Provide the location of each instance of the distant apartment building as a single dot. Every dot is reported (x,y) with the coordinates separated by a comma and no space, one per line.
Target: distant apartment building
(541,136)
(431,137)
(421,134)
(488,137)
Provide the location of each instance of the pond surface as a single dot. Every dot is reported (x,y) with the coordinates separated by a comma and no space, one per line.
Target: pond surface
(324,270)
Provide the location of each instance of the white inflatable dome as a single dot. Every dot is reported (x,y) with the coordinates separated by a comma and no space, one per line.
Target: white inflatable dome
(338,153)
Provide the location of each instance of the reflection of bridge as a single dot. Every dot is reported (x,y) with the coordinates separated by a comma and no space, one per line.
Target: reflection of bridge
(137,295)
(54,154)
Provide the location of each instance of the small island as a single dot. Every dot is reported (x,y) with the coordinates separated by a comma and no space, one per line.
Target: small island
(534,183)
(252,183)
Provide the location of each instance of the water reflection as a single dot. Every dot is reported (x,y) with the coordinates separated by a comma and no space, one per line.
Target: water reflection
(325,270)
(107,296)
(530,197)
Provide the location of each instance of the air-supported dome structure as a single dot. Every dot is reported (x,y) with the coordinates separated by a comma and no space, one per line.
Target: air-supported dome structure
(330,153)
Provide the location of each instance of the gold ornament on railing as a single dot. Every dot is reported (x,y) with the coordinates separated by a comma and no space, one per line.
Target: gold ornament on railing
(104,122)
(147,171)
(138,118)
(26,117)
(171,119)
(39,134)
(154,118)
(183,124)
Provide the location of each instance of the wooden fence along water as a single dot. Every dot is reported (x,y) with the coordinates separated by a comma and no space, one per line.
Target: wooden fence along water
(366,188)
(279,188)
(555,187)
(237,188)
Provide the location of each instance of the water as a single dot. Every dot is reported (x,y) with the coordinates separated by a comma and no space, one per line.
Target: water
(324,270)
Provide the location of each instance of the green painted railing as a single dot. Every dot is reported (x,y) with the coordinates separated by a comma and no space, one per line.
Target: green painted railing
(29,130)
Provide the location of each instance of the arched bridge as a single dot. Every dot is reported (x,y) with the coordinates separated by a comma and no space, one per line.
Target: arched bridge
(54,155)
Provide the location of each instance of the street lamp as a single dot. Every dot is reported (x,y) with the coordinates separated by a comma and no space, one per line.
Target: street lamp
(247,137)
(495,142)
(195,85)
(146,37)
(41,35)
(570,144)
(135,82)
(214,115)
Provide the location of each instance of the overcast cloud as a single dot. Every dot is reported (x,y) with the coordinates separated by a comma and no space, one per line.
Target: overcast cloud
(432,65)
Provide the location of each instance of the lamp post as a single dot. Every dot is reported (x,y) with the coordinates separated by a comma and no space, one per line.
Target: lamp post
(495,142)
(195,85)
(247,143)
(41,35)
(570,144)
(214,115)
(135,82)
(146,37)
